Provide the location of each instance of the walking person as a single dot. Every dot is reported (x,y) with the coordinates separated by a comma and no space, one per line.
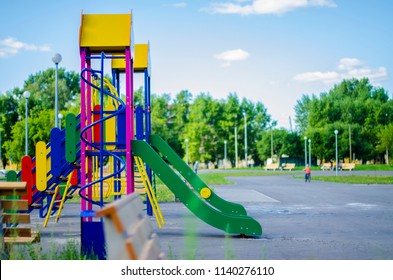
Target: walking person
(307,176)
(196,167)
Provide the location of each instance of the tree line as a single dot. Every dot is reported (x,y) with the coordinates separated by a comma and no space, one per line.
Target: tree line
(201,124)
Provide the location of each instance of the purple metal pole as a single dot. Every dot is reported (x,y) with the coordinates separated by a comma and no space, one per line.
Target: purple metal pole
(89,138)
(129,120)
(82,126)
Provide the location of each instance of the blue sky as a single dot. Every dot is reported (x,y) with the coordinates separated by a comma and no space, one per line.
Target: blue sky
(271,51)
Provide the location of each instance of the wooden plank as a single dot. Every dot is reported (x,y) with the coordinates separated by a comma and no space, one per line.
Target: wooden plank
(151,250)
(13,204)
(13,188)
(17,231)
(35,237)
(19,218)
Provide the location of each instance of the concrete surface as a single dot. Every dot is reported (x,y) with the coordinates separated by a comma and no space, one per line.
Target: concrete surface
(316,220)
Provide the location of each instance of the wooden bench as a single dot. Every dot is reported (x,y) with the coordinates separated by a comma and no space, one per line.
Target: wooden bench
(128,232)
(326,166)
(348,166)
(271,166)
(11,231)
(289,166)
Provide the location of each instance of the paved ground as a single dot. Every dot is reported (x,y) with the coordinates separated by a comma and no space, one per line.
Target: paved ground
(316,220)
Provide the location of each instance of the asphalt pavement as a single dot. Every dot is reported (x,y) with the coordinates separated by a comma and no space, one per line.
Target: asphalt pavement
(300,221)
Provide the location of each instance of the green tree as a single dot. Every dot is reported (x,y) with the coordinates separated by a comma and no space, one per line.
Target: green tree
(41,110)
(355,108)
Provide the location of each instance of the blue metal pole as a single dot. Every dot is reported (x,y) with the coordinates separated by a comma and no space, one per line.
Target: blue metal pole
(149,208)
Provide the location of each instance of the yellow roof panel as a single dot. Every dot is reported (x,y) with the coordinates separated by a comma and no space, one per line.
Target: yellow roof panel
(105,32)
(141,59)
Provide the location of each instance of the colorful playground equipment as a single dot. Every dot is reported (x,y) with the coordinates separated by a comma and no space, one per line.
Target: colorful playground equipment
(98,151)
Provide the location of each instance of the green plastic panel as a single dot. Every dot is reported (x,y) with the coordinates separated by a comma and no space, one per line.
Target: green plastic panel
(71,138)
(230,223)
(172,157)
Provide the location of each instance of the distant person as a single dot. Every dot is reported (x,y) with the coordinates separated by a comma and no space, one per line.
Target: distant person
(196,167)
(307,176)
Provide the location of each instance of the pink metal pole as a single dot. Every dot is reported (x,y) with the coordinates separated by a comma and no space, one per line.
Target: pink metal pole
(129,120)
(89,139)
(83,125)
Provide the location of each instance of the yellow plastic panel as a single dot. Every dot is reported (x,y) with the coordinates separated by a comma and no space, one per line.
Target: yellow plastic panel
(110,128)
(119,63)
(141,60)
(105,32)
(41,180)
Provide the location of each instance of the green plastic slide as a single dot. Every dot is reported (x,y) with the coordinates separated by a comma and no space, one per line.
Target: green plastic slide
(230,223)
(193,179)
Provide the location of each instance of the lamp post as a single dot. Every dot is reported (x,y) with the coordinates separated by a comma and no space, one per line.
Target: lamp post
(305,150)
(1,162)
(236,163)
(350,143)
(271,142)
(387,150)
(60,116)
(26,95)
(186,150)
(309,152)
(225,154)
(245,138)
(336,132)
(56,58)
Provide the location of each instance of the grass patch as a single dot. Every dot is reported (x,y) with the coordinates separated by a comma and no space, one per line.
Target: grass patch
(352,179)
(68,251)
(163,194)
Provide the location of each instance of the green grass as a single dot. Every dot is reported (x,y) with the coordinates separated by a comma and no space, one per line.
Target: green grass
(68,251)
(355,179)
(374,167)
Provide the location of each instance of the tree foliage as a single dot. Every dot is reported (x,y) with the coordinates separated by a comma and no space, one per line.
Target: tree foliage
(358,110)
(361,113)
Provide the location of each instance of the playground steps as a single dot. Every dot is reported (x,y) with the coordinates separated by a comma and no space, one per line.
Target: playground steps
(15,213)
(128,232)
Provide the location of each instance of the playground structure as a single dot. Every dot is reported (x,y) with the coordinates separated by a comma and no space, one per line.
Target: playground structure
(95,155)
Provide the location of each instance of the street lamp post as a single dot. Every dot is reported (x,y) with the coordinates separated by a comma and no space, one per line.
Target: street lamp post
(309,152)
(245,138)
(305,150)
(225,154)
(1,162)
(56,58)
(336,132)
(186,150)
(236,162)
(387,150)
(26,95)
(60,116)
(271,142)
(350,143)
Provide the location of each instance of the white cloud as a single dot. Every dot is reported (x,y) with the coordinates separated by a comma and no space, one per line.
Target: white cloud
(245,7)
(11,46)
(180,5)
(347,68)
(349,63)
(232,55)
